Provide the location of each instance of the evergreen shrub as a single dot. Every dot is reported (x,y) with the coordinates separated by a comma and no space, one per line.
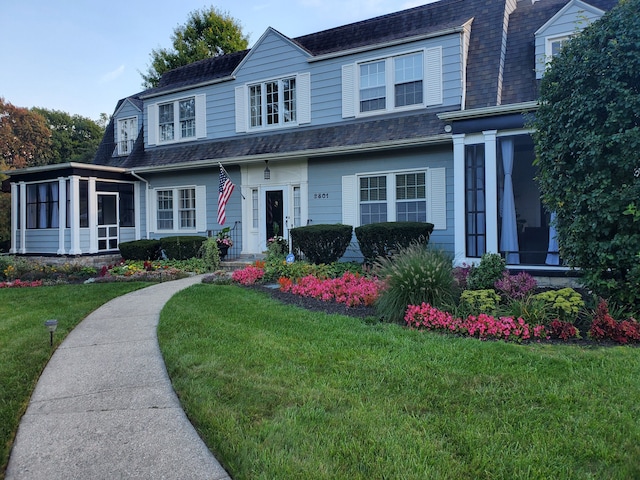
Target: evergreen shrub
(140,250)
(181,248)
(323,243)
(386,238)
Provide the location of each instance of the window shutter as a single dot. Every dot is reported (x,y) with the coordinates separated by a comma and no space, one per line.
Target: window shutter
(304,98)
(350,200)
(152,124)
(241,109)
(152,209)
(348,90)
(437,206)
(201,116)
(433,75)
(201,208)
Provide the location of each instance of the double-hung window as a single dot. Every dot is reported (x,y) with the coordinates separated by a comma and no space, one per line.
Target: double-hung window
(401,196)
(179,209)
(177,120)
(398,82)
(273,103)
(126,135)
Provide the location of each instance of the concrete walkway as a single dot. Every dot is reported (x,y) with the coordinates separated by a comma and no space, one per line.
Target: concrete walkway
(104,407)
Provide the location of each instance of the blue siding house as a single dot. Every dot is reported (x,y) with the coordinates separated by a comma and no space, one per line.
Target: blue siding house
(418,115)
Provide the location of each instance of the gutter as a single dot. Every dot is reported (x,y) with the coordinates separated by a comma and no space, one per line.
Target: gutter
(488,111)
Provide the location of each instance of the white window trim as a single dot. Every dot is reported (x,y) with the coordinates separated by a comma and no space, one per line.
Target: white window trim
(134,134)
(548,42)
(201,210)
(303,104)
(153,120)
(435,179)
(431,83)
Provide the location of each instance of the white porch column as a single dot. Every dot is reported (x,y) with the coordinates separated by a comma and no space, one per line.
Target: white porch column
(136,206)
(491,192)
(93,216)
(62,213)
(460,237)
(15,200)
(23,218)
(74,221)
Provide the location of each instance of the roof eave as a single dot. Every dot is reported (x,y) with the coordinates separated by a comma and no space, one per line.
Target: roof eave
(488,111)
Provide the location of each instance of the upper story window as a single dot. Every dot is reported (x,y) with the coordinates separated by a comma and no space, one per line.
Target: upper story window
(397,82)
(127,132)
(274,103)
(554,45)
(180,120)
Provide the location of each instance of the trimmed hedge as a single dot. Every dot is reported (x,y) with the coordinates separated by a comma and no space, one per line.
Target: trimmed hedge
(385,238)
(324,243)
(140,250)
(181,248)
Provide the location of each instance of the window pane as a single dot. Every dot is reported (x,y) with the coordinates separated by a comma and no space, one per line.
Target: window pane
(254,206)
(187,210)
(165,210)
(372,87)
(373,197)
(408,80)
(187,118)
(272,103)
(255,99)
(289,100)
(165,113)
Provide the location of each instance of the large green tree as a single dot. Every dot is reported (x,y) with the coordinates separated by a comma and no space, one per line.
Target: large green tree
(588,143)
(74,138)
(207,33)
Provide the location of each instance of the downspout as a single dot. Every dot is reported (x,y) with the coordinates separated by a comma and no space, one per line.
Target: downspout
(146,201)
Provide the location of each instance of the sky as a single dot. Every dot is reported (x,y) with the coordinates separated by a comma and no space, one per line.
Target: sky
(82,56)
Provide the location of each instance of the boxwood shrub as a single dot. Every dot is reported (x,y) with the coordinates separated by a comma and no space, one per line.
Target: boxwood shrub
(324,243)
(181,248)
(385,238)
(140,250)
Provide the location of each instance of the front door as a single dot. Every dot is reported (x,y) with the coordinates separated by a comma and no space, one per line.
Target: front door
(274,214)
(107,221)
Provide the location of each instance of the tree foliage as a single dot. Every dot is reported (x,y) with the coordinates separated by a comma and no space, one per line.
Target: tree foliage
(587,143)
(25,139)
(207,33)
(73,138)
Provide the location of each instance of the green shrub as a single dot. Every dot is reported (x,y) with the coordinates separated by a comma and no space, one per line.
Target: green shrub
(475,302)
(210,254)
(484,275)
(534,311)
(565,303)
(140,250)
(324,243)
(181,248)
(416,274)
(386,238)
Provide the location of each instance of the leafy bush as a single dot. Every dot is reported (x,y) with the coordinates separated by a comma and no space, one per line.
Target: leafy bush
(517,286)
(386,238)
(350,289)
(181,248)
(322,243)
(416,274)
(210,254)
(479,301)
(248,275)
(140,250)
(484,275)
(565,303)
(604,326)
(563,330)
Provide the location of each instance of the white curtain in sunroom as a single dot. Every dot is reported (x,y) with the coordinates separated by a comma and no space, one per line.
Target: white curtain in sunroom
(509,237)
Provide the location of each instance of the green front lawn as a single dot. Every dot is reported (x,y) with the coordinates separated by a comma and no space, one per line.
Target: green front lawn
(24,341)
(280,392)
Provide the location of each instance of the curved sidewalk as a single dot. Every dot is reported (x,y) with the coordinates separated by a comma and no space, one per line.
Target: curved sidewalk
(104,407)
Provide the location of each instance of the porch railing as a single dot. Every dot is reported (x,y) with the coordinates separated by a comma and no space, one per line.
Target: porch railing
(235,233)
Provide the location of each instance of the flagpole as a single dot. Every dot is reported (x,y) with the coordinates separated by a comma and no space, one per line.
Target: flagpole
(227,174)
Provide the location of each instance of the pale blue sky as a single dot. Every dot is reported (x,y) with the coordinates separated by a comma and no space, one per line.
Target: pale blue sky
(82,56)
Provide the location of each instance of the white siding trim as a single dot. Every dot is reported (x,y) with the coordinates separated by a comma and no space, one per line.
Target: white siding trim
(201,116)
(241,109)
(437,205)
(350,200)
(152,124)
(201,208)
(433,76)
(304,98)
(349,90)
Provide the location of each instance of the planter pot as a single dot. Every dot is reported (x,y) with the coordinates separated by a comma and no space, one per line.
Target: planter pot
(223,251)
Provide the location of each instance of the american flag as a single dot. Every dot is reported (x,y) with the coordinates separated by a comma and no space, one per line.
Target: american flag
(225,187)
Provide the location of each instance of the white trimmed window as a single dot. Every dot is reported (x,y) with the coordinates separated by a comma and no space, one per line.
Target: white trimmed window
(412,80)
(178,120)
(126,134)
(179,209)
(412,196)
(553,45)
(255,212)
(282,102)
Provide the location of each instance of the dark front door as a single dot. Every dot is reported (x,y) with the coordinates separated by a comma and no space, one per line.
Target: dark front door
(274,215)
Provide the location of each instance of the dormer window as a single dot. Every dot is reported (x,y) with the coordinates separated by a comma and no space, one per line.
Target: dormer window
(127,132)
(554,45)
(179,120)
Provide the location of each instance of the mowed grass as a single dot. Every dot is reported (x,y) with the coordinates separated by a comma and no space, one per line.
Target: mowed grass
(24,341)
(280,392)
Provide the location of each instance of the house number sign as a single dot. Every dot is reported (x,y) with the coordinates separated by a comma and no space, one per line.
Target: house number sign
(320,195)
